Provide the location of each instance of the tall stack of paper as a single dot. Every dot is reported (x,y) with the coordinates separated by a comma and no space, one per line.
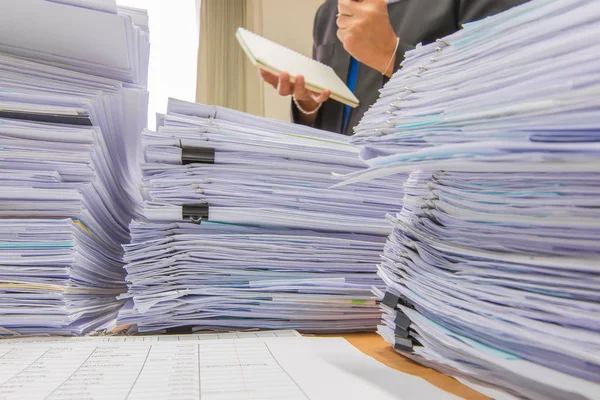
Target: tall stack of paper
(493,267)
(273,246)
(68,151)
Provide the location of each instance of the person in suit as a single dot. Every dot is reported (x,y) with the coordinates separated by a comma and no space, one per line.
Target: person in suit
(364,41)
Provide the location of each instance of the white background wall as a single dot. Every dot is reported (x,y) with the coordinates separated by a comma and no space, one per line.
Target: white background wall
(289,22)
(174,49)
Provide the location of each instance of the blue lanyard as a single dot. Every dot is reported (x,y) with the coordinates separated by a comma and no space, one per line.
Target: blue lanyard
(352,76)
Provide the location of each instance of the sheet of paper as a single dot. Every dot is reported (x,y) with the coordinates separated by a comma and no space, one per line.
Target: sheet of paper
(261,368)
(284,333)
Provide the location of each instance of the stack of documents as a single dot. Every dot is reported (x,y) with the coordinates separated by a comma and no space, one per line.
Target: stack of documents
(226,166)
(242,229)
(492,270)
(219,277)
(521,86)
(69,183)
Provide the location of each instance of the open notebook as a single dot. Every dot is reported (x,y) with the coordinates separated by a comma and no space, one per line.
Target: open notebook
(276,58)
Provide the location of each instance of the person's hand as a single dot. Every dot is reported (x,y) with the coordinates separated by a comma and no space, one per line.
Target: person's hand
(307,99)
(365,30)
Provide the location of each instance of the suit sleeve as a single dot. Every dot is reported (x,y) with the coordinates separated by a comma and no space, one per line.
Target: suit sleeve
(473,10)
(468,11)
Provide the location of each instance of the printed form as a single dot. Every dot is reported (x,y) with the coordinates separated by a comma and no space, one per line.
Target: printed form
(261,368)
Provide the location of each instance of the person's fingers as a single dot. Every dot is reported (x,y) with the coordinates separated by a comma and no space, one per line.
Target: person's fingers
(345,7)
(285,85)
(343,21)
(321,98)
(300,91)
(268,77)
(351,8)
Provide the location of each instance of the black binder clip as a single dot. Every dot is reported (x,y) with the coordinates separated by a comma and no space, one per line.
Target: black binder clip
(404,301)
(402,321)
(194,213)
(401,333)
(402,344)
(390,299)
(197,155)
(81,119)
(179,330)
(403,341)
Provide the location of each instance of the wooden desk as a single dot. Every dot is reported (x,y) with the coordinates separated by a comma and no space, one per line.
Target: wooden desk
(374,346)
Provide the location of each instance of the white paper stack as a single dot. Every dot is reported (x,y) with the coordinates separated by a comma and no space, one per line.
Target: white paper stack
(242,229)
(493,267)
(69,145)
(91,36)
(223,277)
(255,171)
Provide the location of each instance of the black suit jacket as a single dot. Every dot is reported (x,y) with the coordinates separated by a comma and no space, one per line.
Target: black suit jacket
(415,21)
